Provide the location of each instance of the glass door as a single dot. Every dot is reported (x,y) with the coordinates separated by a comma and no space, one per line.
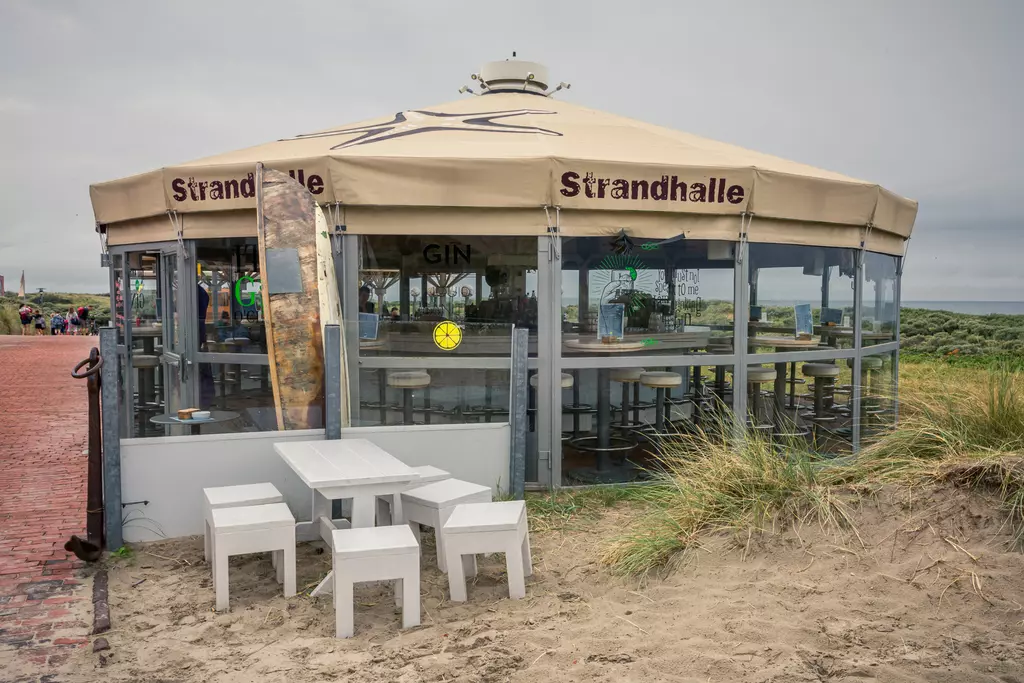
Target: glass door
(173,360)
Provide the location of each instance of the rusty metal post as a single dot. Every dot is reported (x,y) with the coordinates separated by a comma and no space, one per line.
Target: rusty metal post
(94,496)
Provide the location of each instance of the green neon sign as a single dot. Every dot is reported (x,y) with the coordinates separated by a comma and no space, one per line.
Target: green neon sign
(253,300)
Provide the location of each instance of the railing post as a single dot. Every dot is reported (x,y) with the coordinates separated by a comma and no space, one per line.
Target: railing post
(110,411)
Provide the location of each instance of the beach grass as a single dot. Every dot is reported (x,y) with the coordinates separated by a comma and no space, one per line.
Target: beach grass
(10,322)
(957,426)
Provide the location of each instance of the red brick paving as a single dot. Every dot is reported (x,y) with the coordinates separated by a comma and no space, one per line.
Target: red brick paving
(43,432)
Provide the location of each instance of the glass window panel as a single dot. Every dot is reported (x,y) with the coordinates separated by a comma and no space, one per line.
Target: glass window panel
(230,301)
(484,285)
(673,297)
(786,280)
(878,389)
(878,307)
(602,443)
(442,396)
(240,388)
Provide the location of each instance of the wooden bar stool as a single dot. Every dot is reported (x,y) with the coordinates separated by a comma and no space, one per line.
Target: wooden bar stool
(567,382)
(869,369)
(629,377)
(408,382)
(824,376)
(756,376)
(661,382)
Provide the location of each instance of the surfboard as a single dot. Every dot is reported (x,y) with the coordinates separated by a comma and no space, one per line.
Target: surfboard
(330,300)
(286,218)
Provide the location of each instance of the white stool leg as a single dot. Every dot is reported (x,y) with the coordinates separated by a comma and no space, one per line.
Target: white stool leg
(456,577)
(514,567)
(277,561)
(397,516)
(288,560)
(220,577)
(411,596)
(442,556)
(415,526)
(343,608)
(527,556)
(207,534)
(384,512)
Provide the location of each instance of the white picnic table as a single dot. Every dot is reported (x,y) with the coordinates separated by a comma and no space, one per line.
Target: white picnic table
(340,469)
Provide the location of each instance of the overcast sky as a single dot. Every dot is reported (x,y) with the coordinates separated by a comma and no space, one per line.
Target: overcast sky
(924,97)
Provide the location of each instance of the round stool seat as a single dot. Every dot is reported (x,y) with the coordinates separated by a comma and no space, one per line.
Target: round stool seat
(661,380)
(757,374)
(867,363)
(820,370)
(413,379)
(566,380)
(144,360)
(626,375)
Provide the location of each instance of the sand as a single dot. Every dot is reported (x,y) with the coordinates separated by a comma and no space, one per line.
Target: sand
(906,603)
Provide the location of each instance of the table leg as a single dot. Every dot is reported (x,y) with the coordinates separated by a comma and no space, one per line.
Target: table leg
(363,512)
(780,389)
(792,386)
(576,402)
(604,407)
(625,404)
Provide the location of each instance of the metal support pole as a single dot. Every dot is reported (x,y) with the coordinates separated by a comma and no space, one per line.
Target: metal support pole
(332,381)
(897,295)
(110,409)
(858,300)
(741,317)
(824,287)
(517,411)
(604,409)
(404,308)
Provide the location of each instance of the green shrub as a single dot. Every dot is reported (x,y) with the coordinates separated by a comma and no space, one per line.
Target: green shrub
(10,322)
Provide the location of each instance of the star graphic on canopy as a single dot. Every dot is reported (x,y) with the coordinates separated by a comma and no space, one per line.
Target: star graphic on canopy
(420,121)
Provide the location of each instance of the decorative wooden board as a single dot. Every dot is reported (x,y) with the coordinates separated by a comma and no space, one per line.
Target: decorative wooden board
(330,300)
(286,223)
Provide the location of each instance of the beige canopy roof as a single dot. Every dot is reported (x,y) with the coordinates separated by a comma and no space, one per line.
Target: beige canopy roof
(490,164)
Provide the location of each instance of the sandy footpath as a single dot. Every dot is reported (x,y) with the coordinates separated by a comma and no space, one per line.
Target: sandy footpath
(909,603)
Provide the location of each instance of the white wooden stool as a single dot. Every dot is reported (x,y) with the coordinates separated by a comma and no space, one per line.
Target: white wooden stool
(375,554)
(253,529)
(431,505)
(479,528)
(428,475)
(234,497)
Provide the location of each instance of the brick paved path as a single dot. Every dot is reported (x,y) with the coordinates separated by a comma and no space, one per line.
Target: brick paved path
(43,432)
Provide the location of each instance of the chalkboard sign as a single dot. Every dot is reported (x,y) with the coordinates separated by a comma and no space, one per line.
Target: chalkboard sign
(831,315)
(755,313)
(368,325)
(611,321)
(804,324)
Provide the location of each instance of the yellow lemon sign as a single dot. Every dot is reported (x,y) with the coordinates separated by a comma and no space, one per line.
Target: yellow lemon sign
(447,335)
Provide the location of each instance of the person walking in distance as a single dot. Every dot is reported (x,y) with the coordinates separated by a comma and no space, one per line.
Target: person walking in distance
(25,313)
(83,319)
(56,324)
(40,322)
